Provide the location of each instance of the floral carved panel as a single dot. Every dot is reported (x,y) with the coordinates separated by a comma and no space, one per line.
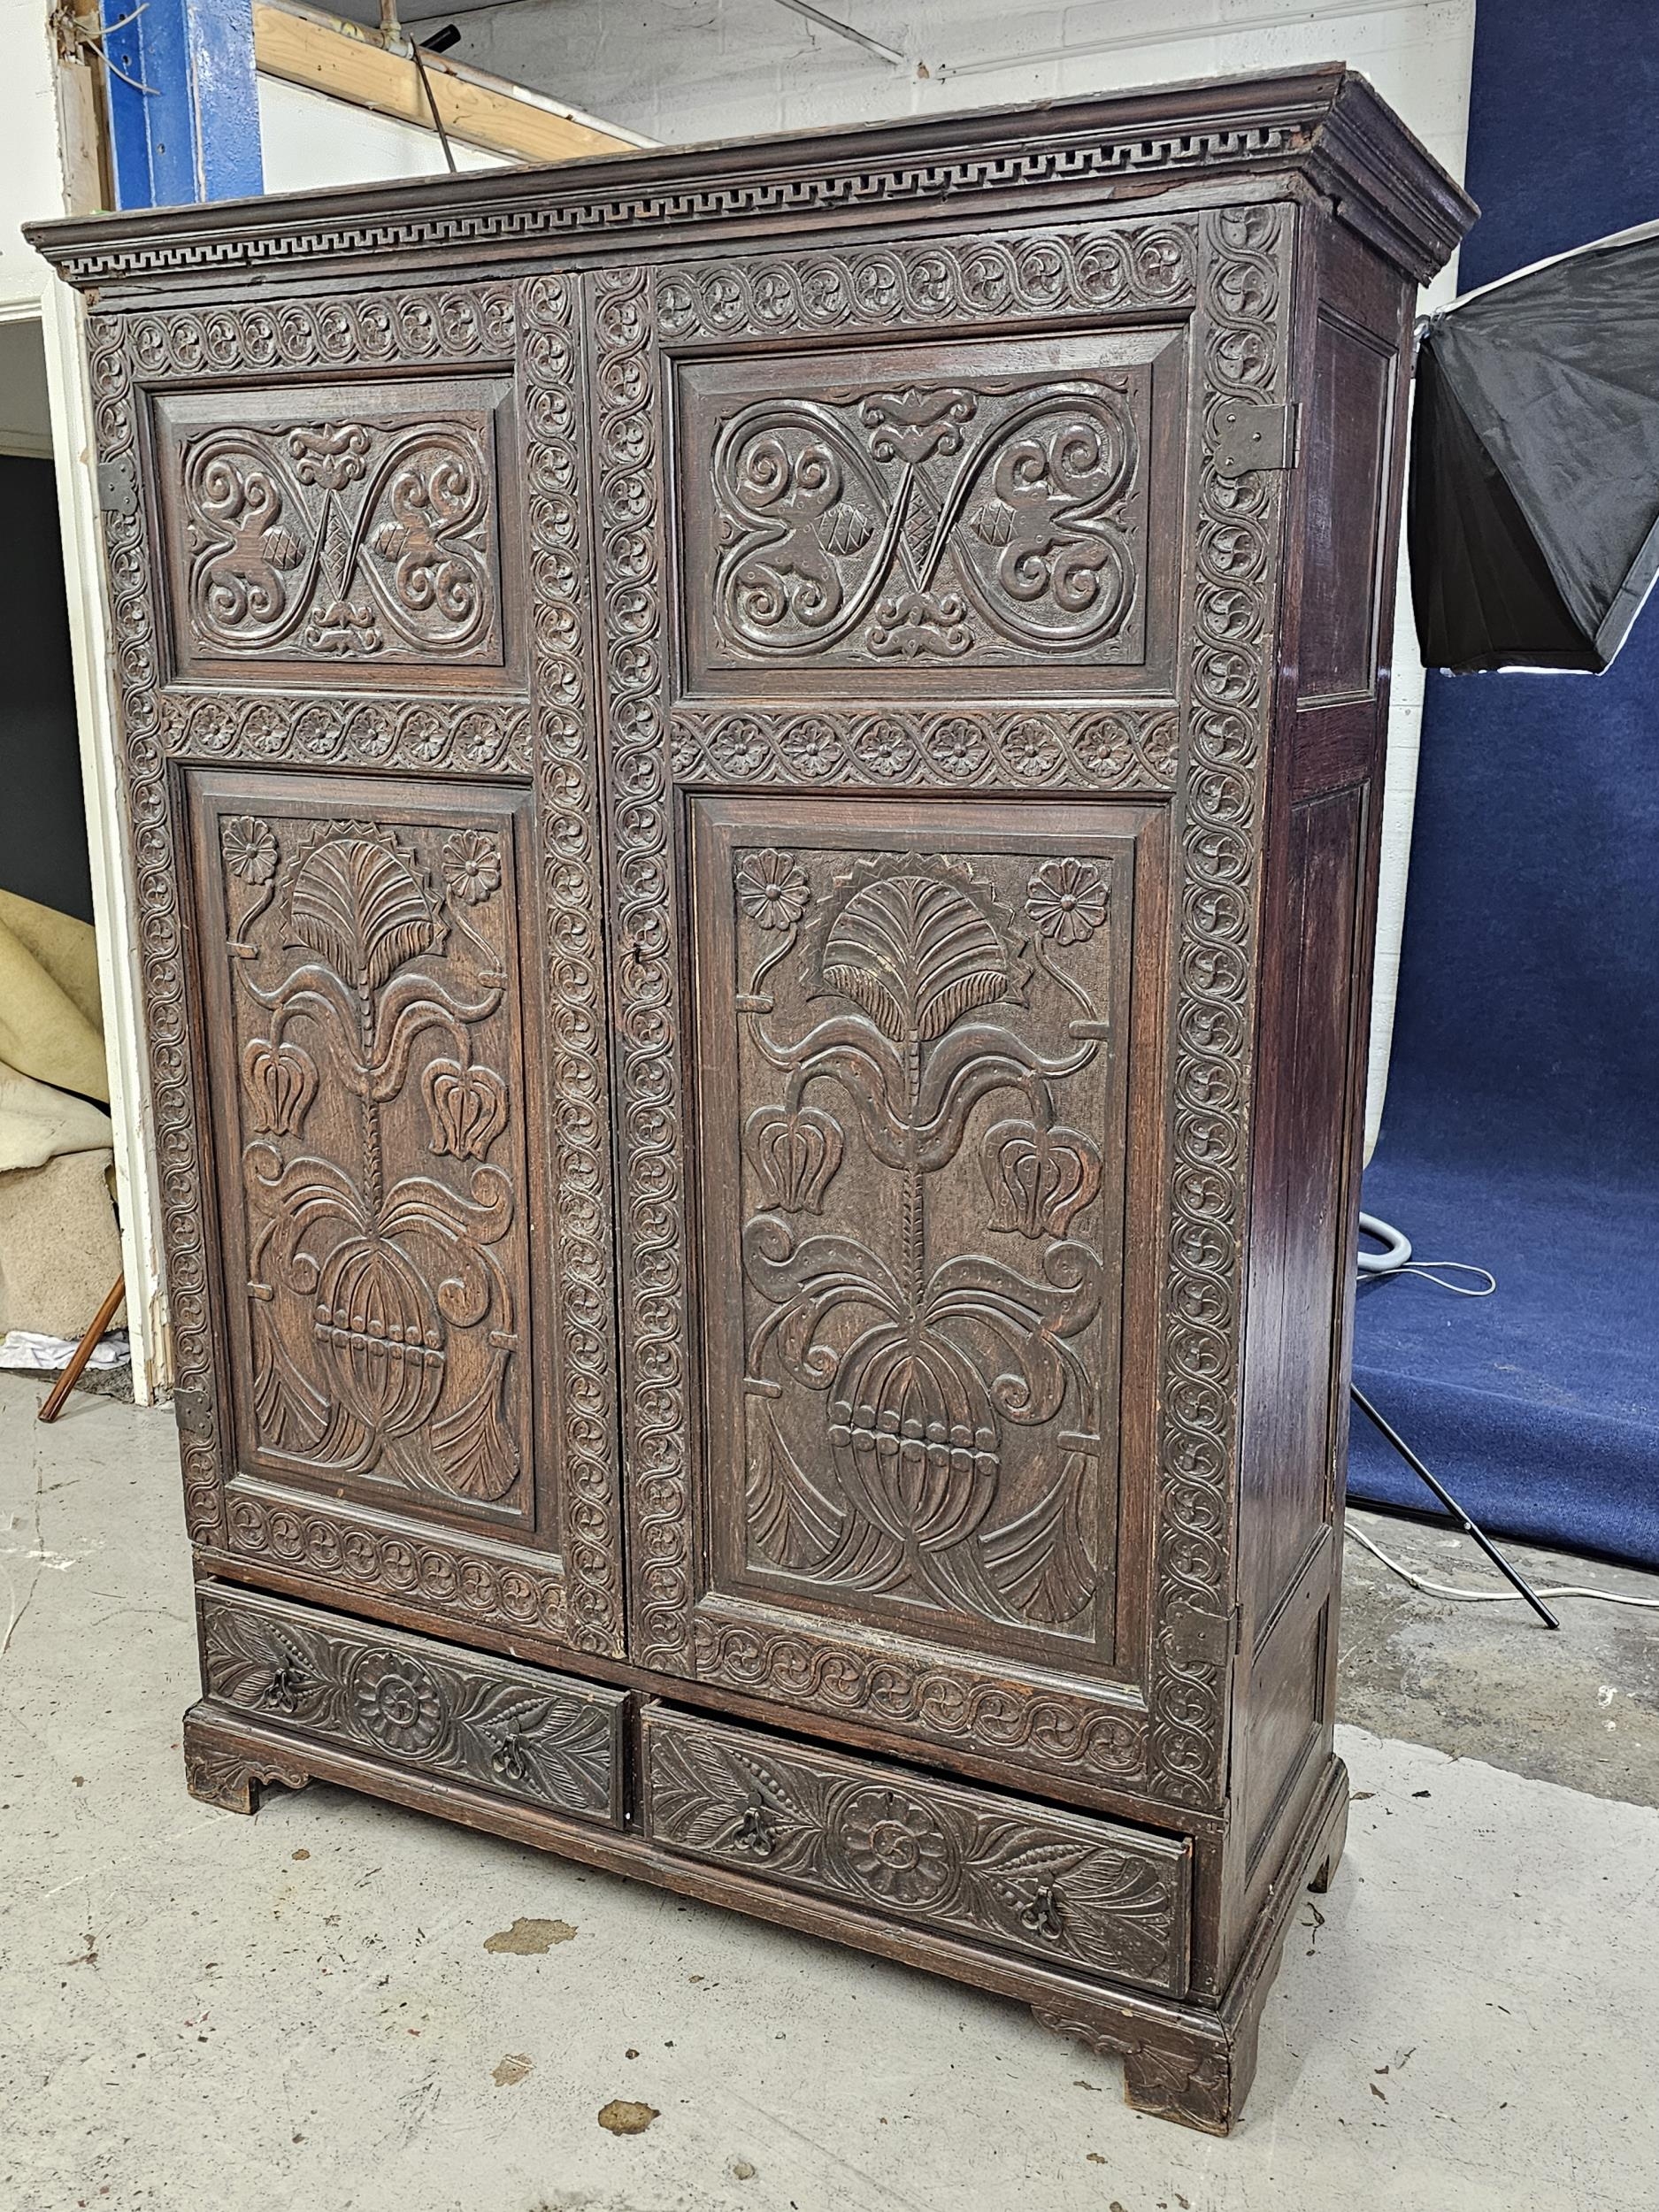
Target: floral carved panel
(369,1060)
(914,1078)
(535,1737)
(1077,1894)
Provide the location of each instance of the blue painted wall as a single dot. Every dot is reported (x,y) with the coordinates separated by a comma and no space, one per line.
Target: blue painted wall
(1529,992)
(192,132)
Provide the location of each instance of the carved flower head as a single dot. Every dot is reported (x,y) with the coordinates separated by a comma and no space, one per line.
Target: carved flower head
(772,888)
(471,866)
(895,1847)
(1067,901)
(396,1702)
(250,848)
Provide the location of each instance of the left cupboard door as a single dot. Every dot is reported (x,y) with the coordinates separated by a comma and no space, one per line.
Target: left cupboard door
(360,773)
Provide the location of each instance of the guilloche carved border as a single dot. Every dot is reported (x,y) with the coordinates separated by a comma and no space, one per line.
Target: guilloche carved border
(1089,269)
(1105,749)
(1228,623)
(582,1601)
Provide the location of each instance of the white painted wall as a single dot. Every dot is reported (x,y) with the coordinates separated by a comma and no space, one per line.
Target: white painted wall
(681,70)
(310,139)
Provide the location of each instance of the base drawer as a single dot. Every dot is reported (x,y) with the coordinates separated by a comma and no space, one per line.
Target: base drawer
(1060,1887)
(518,1731)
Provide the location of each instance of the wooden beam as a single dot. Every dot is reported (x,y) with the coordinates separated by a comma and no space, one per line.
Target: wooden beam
(326,54)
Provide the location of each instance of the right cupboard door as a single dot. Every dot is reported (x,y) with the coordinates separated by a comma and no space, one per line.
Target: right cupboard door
(936,645)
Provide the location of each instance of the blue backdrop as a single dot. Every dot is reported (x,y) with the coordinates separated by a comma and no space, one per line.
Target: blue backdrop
(1522,1126)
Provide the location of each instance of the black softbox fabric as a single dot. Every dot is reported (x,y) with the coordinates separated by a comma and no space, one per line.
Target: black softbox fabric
(1534,506)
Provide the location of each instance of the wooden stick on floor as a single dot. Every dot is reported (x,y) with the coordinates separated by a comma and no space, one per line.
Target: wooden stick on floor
(83,1352)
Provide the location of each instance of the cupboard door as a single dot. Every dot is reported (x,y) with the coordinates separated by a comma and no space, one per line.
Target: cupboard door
(937,656)
(353,610)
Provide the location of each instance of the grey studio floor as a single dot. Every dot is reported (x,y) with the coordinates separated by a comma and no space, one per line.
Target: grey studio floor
(307,2009)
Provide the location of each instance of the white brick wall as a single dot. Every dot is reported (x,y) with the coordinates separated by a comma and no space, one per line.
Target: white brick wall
(683,70)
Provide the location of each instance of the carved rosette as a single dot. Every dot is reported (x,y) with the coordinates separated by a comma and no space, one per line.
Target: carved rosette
(423,736)
(567,776)
(655,1410)
(1231,626)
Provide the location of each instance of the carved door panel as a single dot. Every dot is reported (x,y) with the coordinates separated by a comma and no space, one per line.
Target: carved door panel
(937,633)
(353,623)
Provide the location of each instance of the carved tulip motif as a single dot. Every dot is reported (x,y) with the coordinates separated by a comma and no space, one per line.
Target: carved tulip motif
(468,1108)
(281,1081)
(1039,1178)
(794,1154)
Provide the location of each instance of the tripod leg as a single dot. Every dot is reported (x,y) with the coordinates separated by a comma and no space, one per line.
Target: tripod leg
(1468,1527)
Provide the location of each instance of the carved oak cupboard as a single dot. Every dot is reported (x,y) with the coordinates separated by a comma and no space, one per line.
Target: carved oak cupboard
(753,778)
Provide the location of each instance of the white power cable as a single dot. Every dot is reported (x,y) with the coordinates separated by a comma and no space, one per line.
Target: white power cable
(1396,1258)
(1492,1597)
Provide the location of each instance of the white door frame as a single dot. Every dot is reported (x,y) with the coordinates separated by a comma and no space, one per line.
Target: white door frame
(60,312)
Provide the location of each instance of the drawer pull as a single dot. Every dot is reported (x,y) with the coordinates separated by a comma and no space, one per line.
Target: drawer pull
(1045,1914)
(286,1687)
(507,1760)
(754,1833)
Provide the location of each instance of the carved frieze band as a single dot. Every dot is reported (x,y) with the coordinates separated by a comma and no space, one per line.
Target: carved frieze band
(327,1542)
(392,328)
(1229,624)
(1083,271)
(423,736)
(739,199)
(1119,749)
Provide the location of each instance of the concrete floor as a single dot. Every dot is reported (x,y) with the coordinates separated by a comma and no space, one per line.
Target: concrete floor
(202,2013)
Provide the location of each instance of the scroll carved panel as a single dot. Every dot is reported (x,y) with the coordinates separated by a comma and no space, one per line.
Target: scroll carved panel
(371,1131)
(363,533)
(984,508)
(915,1047)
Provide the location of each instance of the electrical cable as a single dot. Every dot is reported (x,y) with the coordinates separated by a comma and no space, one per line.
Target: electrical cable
(1492,1597)
(1395,1259)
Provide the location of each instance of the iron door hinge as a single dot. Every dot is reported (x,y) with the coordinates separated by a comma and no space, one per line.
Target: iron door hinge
(118,485)
(1249,436)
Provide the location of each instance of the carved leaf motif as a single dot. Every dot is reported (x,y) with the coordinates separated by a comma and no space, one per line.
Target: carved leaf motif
(281,1081)
(289,1412)
(917,951)
(361,906)
(1039,1178)
(794,1156)
(793,1523)
(1039,1563)
(468,1108)
(471,1448)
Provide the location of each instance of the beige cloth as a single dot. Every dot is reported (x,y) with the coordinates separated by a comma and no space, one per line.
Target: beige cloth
(60,1248)
(60,1245)
(52,1024)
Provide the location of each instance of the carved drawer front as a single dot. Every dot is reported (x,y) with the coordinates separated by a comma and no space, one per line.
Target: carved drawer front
(517,1732)
(1073,1891)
